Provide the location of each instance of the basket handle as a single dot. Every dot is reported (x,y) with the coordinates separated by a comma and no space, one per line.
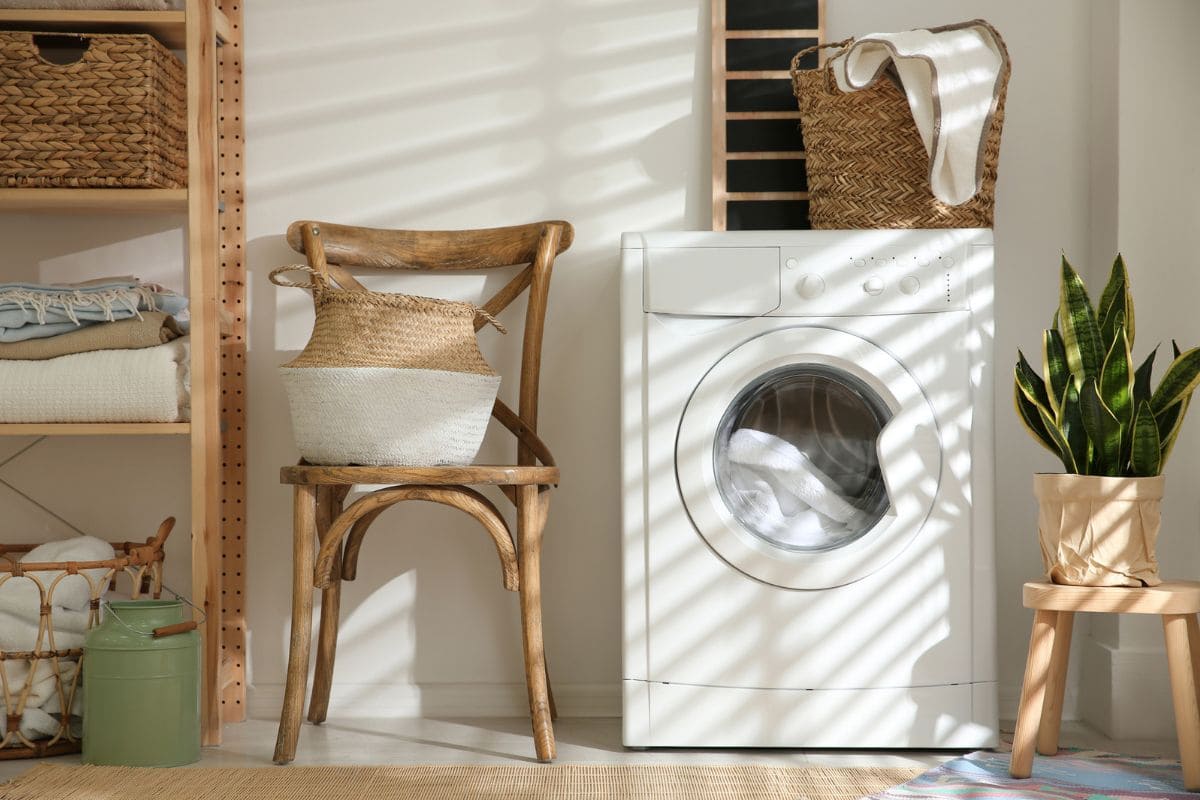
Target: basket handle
(816,48)
(318,281)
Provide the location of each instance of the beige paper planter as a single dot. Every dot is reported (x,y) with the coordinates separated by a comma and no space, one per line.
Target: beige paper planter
(1098,531)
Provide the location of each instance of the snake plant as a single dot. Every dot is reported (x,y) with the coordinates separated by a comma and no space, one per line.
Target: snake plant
(1090,406)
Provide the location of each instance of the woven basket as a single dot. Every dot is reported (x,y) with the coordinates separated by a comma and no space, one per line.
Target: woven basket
(51,668)
(867,166)
(388,379)
(116,117)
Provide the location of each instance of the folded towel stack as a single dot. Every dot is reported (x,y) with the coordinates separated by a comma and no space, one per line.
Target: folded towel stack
(108,350)
(44,681)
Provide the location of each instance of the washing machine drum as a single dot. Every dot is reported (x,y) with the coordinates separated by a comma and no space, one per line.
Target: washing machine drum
(808,458)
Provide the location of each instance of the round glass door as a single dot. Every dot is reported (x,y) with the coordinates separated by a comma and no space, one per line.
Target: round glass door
(796,458)
(808,457)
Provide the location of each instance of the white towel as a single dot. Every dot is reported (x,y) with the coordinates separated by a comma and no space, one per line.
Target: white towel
(147,385)
(784,464)
(70,598)
(951,76)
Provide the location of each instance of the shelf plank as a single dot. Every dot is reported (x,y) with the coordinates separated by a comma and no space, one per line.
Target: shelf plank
(95,429)
(766,155)
(166,26)
(93,201)
(767,195)
(761,114)
(757,74)
(774,33)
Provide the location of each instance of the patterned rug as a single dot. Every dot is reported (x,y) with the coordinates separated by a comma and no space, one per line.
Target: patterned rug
(1073,775)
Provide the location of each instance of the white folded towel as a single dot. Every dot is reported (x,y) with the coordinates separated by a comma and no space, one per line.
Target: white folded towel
(148,385)
(951,76)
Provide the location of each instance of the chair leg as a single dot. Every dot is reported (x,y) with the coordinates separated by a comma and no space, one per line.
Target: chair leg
(1033,692)
(529,551)
(1052,707)
(328,508)
(304,528)
(1183,693)
(549,688)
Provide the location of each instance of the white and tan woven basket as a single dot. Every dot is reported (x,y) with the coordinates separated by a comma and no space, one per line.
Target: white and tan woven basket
(388,379)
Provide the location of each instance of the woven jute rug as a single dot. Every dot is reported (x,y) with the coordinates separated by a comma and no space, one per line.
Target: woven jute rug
(572,782)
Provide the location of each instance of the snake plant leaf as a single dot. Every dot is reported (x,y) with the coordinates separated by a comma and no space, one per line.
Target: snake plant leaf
(1071,423)
(1180,380)
(1175,349)
(1141,378)
(1029,414)
(1103,430)
(1080,331)
(1061,447)
(1146,458)
(1030,383)
(1116,380)
(1055,371)
(1169,422)
(1116,304)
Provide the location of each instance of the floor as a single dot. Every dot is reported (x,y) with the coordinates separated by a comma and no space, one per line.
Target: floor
(506,741)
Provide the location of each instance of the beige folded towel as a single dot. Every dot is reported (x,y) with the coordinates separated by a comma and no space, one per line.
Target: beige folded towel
(153,329)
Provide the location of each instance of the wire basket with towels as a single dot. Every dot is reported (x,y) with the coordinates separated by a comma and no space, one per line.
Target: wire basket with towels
(50,597)
(868,162)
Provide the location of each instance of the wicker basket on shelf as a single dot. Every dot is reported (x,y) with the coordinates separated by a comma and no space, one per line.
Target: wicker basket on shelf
(867,166)
(116,116)
(49,668)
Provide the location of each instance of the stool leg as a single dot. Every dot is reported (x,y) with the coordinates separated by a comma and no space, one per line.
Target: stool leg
(304,528)
(529,553)
(1052,707)
(1183,693)
(1033,692)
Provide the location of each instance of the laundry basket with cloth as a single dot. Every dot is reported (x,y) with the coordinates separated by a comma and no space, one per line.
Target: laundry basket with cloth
(902,130)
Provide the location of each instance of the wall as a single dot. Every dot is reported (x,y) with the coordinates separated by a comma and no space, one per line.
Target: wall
(485,112)
(1154,182)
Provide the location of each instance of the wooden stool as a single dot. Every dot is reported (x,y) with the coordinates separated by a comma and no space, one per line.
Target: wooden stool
(1040,713)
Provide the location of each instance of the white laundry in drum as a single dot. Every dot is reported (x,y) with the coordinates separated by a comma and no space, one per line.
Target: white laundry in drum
(782,494)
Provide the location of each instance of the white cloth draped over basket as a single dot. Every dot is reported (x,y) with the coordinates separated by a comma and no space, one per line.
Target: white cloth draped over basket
(951,78)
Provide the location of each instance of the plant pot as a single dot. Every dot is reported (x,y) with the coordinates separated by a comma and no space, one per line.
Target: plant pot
(1098,531)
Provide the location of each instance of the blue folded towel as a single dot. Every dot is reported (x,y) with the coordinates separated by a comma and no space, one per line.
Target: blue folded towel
(34,311)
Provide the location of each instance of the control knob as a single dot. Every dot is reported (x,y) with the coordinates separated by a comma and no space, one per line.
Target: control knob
(810,286)
(873,285)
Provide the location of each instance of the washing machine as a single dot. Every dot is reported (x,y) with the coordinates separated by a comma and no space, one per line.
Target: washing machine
(807,423)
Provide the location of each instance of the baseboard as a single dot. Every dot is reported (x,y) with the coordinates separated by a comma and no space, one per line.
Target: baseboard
(1010,699)
(359,701)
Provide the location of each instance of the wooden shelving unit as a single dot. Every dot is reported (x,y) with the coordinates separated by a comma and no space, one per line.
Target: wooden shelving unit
(96,429)
(209,33)
(94,201)
(758,157)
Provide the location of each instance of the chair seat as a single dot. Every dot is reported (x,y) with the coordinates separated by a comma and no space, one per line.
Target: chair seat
(1170,597)
(473,475)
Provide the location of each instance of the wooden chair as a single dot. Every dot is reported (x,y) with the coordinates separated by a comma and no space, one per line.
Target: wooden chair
(1040,714)
(320,491)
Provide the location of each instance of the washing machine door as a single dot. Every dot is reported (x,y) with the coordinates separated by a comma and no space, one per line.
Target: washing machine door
(808,457)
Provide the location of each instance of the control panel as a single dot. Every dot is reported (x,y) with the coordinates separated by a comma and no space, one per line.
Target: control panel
(860,276)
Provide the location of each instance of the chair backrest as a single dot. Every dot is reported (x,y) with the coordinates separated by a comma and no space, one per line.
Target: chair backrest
(334,249)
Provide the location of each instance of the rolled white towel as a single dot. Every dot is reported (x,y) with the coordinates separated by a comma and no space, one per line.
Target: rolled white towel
(73,591)
(19,632)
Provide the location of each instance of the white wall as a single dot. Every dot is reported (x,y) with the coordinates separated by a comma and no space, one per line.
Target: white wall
(485,112)
(1150,191)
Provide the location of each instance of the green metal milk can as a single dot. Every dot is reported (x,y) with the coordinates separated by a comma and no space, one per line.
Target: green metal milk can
(141,686)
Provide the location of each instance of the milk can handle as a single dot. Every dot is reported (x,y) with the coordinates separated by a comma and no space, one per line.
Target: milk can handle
(165,630)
